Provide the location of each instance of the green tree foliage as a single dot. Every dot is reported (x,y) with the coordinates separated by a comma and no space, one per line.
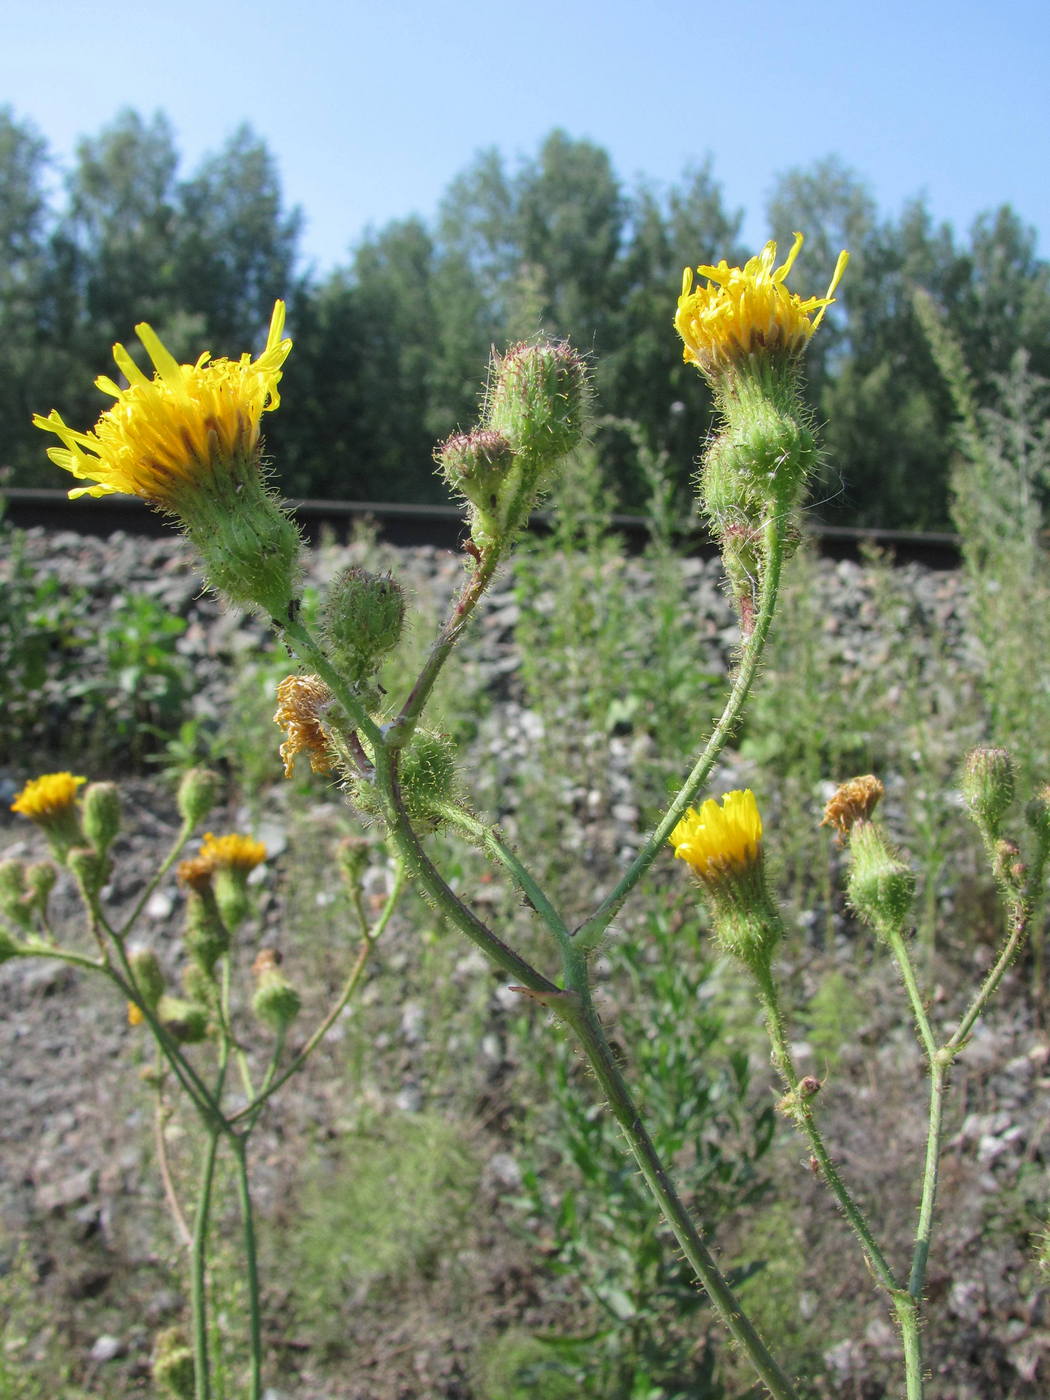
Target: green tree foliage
(389,347)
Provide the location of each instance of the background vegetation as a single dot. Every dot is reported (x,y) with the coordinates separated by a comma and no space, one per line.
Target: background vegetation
(388,346)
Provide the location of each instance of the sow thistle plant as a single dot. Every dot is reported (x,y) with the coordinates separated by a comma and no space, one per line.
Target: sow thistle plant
(188,441)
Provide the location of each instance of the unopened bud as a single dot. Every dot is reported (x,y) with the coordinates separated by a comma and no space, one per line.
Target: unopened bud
(100,815)
(353,855)
(477,465)
(198,793)
(15,901)
(1009,868)
(90,869)
(207,936)
(426,777)
(988,787)
(536,400)
(149,979)
(275,1002)
(185,1021)
(364,614)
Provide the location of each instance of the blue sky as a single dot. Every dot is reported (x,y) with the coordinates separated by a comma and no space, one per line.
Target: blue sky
(370,112)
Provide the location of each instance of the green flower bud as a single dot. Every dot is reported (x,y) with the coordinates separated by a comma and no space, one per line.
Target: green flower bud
(364,614)
(276,1002)
(1008,867)
(206,934)
(353,854)
(15,901)
(476,461)
(172,1369)
(90,869)
(100,815)
(185,1021)
(988,787)
(231,896)
(881,887)
(148,975)
(197,984)
(197,795)
(536,401)
(40,879)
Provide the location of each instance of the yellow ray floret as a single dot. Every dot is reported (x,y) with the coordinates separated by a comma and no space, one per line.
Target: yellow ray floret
(719,840)
(176,431)
(748,310)
(232,852)
(49,796)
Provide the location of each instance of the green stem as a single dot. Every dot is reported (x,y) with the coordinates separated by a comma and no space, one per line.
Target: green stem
(199,1266)
(939,1065)
(446,640)
(308,651)
(490,840)
(578,1012)
(239,1143)
(907,1309)
(894,936)
(410,850)
(591,931)
(185,832)
(1020,916)
(802,1114)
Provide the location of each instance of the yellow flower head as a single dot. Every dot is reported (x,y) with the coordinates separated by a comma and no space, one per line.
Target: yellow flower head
(238,853)
(48,798)
(720,840)
(748,310)
(301,700)
(166,438)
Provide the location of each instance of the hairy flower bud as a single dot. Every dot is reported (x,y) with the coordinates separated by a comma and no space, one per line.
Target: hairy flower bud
(100,814)
(185,1021)
(198,793)
(988,787)
(90,870)
(207,936)
(353,854)
(15,900)
(148,975)
(536,400)
(476,464)
(363,617)
(276,1002)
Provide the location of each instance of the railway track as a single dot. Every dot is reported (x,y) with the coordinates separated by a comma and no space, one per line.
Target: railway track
(441,526)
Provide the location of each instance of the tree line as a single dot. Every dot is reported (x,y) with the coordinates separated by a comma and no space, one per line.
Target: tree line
(391,347)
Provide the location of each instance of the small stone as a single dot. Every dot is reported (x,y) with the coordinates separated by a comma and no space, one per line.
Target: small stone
(106,1347)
